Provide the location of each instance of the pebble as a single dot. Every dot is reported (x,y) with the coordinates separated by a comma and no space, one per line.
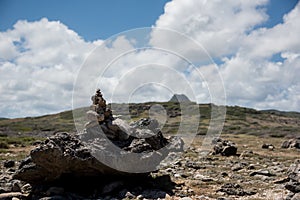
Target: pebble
(186,198)
(177,175)
(129,195)
(26,188)
(9,164)
(296,197)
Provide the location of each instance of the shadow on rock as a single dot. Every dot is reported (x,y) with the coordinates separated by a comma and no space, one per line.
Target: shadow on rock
(119,187)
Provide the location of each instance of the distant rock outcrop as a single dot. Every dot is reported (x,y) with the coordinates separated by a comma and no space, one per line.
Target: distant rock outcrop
(292,143)
(180,98)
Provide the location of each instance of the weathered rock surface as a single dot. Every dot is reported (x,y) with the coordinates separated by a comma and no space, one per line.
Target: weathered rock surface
(224,147)
(65,154)
(106,147)
(9,163)
(268,146)
(294,179)
(262,172)
(58,155)
(235,189)
(291,143)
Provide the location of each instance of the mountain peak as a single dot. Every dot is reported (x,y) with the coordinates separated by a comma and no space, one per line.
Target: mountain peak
(179,98)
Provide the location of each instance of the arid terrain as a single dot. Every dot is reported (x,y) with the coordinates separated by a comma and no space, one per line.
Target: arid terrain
(258,170)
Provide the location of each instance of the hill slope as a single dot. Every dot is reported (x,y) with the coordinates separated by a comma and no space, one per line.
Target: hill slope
(239,120)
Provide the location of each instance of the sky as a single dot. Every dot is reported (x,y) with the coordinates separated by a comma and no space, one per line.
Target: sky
(242,52)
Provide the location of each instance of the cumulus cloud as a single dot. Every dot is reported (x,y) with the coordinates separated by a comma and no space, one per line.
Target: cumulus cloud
(216,25)
(228,32)
(40,60)
(38,64)
(253,78)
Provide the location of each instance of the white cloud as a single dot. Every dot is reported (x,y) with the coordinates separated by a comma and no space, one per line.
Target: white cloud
(39,60)
(38,64)
(227,31)
(216,25)
(264,43)
(253,79)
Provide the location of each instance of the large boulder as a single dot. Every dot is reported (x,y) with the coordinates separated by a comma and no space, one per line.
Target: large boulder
(93,154)
(60,154)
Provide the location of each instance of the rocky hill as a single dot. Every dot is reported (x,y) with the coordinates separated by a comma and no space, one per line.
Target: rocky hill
(179,98)
(239,120)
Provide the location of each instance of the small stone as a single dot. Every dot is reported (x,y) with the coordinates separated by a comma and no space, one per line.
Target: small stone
(296,197)
(262,172)
(224,147)
(293,186)
(229,151)
(16,186)
(292,143)
(251,166)
(238,167)
(168,197)
(246,154)
(224,174)
(186,198)
(202,178)
(177,175)
(9,164)
(268,146)
(26,189)
(282,180)
(234,189)
(129,195)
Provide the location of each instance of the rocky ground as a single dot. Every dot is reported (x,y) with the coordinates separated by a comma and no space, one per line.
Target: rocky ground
(259,169)
(256,157)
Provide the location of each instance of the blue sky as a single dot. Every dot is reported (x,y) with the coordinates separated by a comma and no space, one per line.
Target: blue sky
(44,43)
(100,19)
(92,19)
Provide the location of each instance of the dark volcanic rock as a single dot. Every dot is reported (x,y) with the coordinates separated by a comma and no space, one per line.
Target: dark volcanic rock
(296,197)
(294,175)
(107,157)
(9,164)
(67,154)
(268,146)
(234,189)
(60,154)
(262,173)
(293,187)
(292,143)
(224,147)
